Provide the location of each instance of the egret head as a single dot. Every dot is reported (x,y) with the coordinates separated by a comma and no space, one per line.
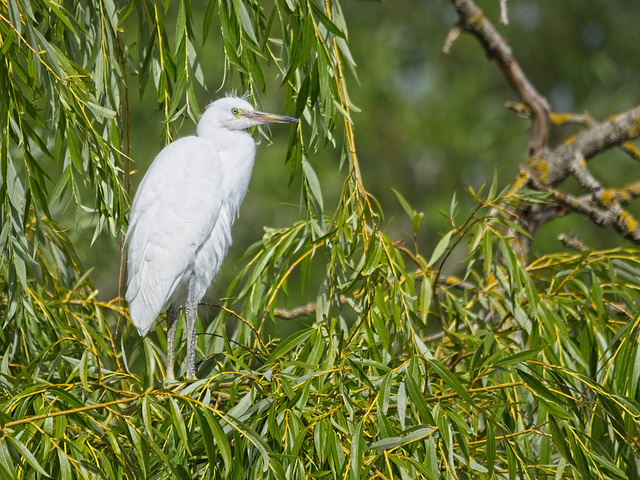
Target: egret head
(234,113)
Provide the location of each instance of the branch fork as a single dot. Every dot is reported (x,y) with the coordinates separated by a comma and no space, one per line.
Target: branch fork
(547,168)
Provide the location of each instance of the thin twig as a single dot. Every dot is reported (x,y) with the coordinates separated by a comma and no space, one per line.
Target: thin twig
(296,312)
(614,216)
(573,242)
(309,309)
(504,17)
(579,170)
(588,143)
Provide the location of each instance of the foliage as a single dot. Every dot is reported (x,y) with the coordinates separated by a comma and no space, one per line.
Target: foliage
(510,370)
(533,376)
(61,80)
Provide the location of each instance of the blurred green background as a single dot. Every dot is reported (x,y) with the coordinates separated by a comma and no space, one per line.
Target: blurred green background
(429,124)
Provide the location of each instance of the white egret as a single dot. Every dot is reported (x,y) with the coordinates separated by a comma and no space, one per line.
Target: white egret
(181,217)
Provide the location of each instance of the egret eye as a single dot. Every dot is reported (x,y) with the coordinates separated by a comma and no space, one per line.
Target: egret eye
(235,111)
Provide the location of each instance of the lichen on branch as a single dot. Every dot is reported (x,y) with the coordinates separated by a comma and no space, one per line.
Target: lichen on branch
(546,168)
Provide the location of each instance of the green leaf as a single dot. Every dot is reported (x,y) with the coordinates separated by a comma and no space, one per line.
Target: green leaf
(357,443)
(389,443)
(559,440)
(403,202)
(27,455)
(321,434)
(6,462)
(178,423)
(328,24)
(519,357)
(314,190)
(417,398)
(554,403)
(245,20)
(220,438)
(14,15)
(450,380)
(65,466)
(401,404)
(181,24)
(289,344)
(385,393)
(100,112)
(490,448)
(579,457)
(441,247)
(63,15)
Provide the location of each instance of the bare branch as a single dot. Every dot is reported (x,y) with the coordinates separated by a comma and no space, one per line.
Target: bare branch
(301,311)
(310,308)
(572,119)
(613,216)
(504,17)
(568,118)
(622,196)
(473,20)
(573,242)
(632,150)
(588,143)
(452,36)
(581,173)
(545,168)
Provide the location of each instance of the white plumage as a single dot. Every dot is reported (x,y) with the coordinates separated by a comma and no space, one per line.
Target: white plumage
(181,217)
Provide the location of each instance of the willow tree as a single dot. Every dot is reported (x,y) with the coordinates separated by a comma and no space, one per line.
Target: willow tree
(518,367)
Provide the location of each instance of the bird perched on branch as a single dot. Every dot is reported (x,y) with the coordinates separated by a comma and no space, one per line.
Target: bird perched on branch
(180,221)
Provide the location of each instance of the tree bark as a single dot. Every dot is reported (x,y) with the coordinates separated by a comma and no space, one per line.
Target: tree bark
(546,168)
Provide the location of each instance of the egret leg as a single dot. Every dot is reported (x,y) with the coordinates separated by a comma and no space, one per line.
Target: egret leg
(172,321)
(190,313)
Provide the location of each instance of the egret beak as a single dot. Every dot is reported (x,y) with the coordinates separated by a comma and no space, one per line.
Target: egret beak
(262,117)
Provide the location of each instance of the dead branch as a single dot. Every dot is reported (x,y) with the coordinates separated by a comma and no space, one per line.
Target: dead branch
(473,21)
(310,308)
(573,242)
(296,312)
(613,216)
(592,141)
(504,16)
(546,168)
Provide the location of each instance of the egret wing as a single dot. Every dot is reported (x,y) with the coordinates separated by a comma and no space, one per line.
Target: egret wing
(174,211)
